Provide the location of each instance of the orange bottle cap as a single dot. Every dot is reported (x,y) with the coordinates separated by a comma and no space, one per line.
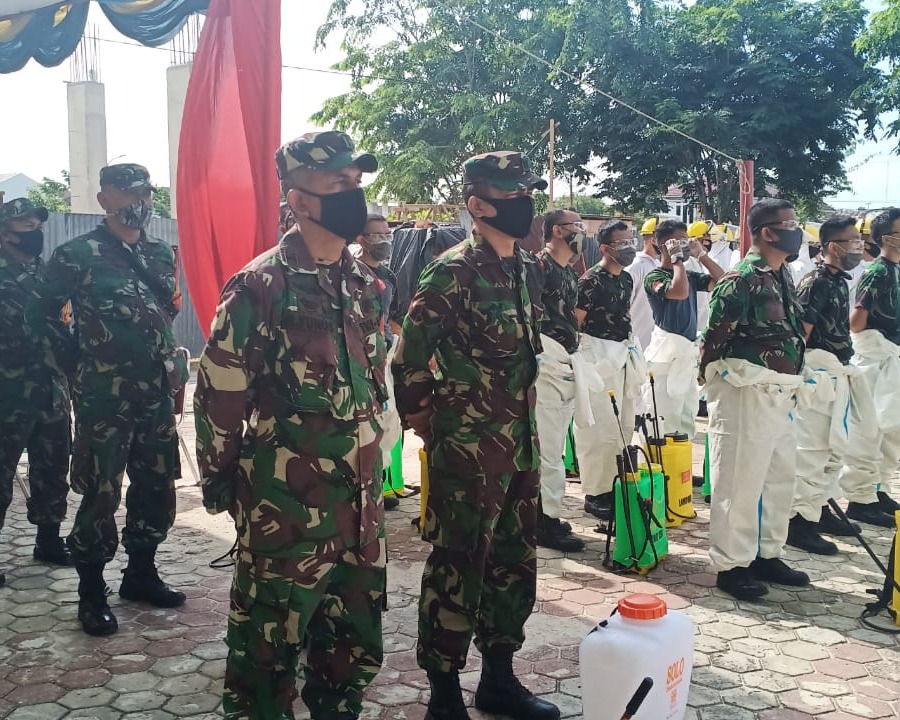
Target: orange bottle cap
(642,607)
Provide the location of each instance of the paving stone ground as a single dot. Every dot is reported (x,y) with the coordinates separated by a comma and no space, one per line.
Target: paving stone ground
(800,654)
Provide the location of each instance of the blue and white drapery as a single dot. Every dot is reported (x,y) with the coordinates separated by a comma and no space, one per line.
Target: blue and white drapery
(49,30)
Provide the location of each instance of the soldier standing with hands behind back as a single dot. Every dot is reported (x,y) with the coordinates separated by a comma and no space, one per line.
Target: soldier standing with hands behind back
(34,392)
(477,311)
(122,285)
(289,398)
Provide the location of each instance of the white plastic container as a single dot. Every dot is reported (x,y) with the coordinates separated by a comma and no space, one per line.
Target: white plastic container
(644,639)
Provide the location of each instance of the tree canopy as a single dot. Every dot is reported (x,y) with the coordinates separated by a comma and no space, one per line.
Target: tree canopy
(783,82)
(52,194)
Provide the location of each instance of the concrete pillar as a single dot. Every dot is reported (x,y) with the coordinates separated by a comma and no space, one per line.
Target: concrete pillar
(177,77)
(87,143)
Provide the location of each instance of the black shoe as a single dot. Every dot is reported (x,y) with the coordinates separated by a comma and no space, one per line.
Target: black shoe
(141,582)
(93,611)
(49,546)
(391,502)
(888,504)
(500,692)
(870,513)
(567,527)
(446,702)
(774,570)
(833,525)
(802,534)
(2,579)
(702,410)
(600,506)
(552,534)
(697,480)
(740,583)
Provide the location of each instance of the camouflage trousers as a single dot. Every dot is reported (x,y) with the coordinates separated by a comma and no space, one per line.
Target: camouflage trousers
(489,588)
(331,604)
(111,437)
(47,437)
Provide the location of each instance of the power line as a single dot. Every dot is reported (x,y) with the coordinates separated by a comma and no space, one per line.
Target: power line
(584,84)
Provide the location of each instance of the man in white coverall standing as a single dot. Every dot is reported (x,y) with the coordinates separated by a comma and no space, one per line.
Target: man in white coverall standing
(750,358)
(822,430)
(672,354)
(612,362)
(874,448)
(555,384)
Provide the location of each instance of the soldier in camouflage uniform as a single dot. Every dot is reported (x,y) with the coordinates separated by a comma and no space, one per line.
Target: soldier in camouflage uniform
(874,446)
(34,393)
(555,387)
(751,355)
(122,286)
(297,353)
(477,311)
(824,296)
(613,363)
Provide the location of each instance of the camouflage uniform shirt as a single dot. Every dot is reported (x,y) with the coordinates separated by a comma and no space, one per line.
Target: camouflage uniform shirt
(123,326)
(877,292)
(297,352)
(559,297)
(479,315)
(754,316)
(824,296)
(606,298)
(31,378)
(675,316)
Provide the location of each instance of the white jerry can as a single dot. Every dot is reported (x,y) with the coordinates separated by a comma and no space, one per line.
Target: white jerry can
(643,650)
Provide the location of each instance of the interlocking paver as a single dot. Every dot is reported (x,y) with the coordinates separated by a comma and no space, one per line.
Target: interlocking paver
(799,654)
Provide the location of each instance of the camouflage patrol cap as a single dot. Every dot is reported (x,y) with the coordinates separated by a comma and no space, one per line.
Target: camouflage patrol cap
(503,169)
(22,209)
(327,150)
(125,176)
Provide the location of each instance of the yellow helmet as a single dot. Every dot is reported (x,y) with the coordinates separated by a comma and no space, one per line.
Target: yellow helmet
(649,226)
(699,229)
(812,229)
(864,225)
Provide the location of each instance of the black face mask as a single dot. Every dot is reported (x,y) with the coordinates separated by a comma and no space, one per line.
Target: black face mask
(789,241)
(873,250)
(514,215)
(343,213)
(31,242)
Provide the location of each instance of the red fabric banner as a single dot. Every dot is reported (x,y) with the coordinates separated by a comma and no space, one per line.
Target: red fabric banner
(227,189)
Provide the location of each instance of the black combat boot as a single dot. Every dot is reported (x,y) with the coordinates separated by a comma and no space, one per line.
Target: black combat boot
(93,611)
(446,702)
(870,513)
(888,504)
(834,525)
(500,692)
(803,534)
(141,582)
(391,502)
(740,583)
(49,546)
(775,570)
(600,506)
(551,533)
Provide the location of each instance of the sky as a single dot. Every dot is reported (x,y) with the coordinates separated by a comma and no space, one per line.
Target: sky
(35,141)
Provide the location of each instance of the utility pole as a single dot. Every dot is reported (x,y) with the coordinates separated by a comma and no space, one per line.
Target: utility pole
(551,148)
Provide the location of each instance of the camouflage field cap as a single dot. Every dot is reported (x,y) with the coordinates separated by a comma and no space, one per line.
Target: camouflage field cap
(125,176)
(22,209)
(327,150)
(504,169)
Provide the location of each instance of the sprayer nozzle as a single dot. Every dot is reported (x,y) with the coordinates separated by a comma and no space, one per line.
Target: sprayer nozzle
(650,373)
(612,393)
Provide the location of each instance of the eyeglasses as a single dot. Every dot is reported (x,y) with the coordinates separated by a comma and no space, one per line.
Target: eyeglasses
(378,237)
(579,226)
(786,224)
(851,244)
